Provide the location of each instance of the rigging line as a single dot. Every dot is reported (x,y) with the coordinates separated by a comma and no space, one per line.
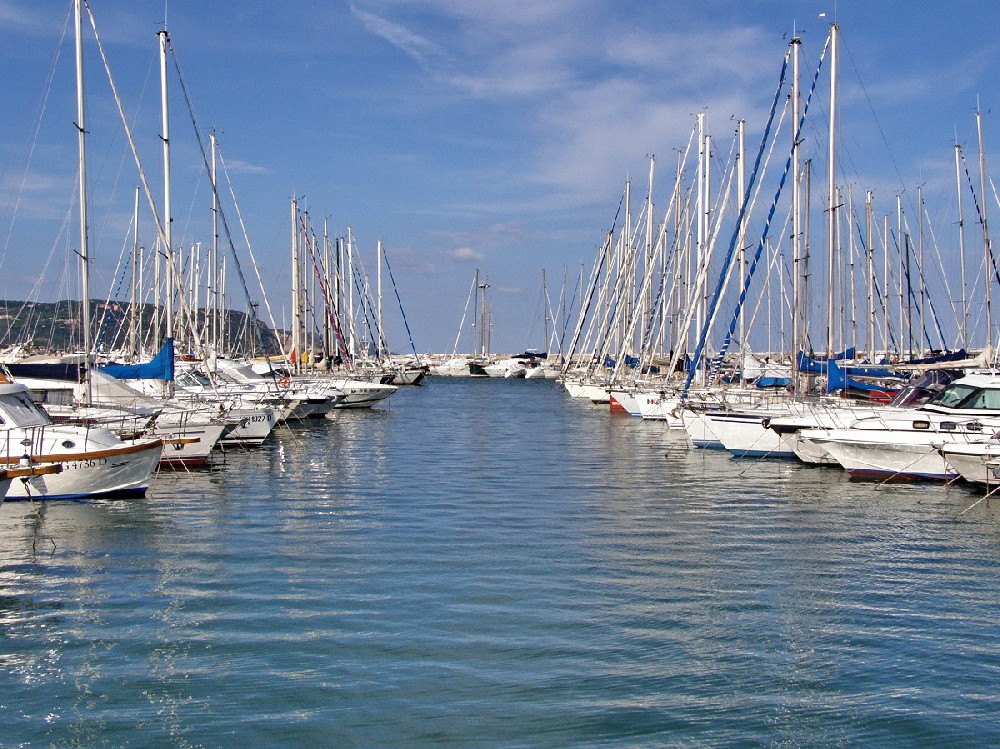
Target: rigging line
(568,308)
(912,296)
(128,130)
(324,291)
(592,286)
(982,221)
(33,294)
(251,307)
(740,218)
(878,124)
(764,237)
(461,325)
(396,290)
(99,231)
(115,288)
(39,116)
(650,266)
(360,282)
(943,275)
(246,238)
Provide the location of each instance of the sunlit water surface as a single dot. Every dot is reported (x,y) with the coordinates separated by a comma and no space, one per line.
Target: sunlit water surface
(491,563)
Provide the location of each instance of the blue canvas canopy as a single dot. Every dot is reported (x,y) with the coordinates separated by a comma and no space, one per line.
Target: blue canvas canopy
(840,377)
(160,368)
(817,364)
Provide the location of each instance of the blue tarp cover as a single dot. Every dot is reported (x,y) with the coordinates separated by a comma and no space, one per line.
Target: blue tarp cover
(160,368)
(839,377)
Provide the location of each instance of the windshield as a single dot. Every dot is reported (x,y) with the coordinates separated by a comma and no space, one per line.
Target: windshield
(986,398)
(953,395)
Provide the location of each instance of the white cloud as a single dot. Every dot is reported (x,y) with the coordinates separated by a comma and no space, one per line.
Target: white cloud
(413,45)
(466,253)
(24,18)
(238,166)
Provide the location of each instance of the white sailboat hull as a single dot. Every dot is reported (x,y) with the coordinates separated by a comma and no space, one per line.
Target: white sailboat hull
(118,471)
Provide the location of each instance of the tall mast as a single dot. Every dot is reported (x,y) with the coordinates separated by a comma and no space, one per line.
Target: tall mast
(484,339)
(700,211)
(475,310)
(133,327)
(350,293)
(545,314)
(920,268)
(650,262)
(706,231)
(961,245)
(901,251)
(168,216)
(82,151)
(741,177)
(797,313)
(328,345)
(378,281)
(832,192)
(885,285)
(296,290)
(986,231)
(211,306)
(870,280)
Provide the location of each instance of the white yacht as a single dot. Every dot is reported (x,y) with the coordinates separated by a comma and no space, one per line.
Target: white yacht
(909,442)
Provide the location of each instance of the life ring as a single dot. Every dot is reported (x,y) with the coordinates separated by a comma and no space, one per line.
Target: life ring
(284,382)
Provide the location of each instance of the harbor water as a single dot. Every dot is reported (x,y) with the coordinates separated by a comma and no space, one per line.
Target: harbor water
(487,562)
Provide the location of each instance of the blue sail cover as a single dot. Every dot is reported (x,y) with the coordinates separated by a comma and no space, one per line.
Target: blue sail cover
(942,357)
(160,368)
(839,377)
(817,364)
(772,382)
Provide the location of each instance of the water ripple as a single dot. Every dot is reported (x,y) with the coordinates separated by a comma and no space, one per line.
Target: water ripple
(485,562)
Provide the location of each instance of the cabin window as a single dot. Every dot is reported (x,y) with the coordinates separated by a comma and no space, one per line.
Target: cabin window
(921,425)
(987,398)
(948,426)
(68,444)
(973,426)
(952,395)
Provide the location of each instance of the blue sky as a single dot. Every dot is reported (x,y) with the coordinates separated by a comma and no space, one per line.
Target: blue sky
(491,135)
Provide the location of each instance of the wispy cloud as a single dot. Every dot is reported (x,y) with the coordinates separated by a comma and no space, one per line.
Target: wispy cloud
(594,101)
(415,46)
(24,17)
(466,253)
(238,166)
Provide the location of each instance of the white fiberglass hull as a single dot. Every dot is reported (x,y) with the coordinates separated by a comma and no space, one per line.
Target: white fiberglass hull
(189,445)
(700,430)
(361,394)
(745,436)
(123,470)
(974,462)
(886,454)
(624,401)
(251,430)
(655,406)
